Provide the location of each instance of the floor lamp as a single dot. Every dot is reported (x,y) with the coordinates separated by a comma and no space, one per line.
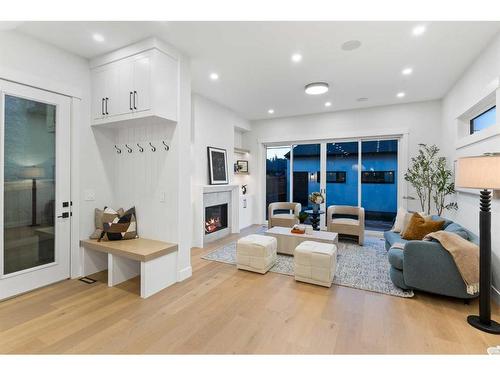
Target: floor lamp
(33,173)
(482,172)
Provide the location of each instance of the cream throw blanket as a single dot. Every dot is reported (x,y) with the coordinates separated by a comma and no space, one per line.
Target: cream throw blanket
(464,253)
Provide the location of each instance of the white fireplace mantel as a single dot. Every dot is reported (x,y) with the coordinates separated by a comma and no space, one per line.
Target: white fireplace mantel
(199,210)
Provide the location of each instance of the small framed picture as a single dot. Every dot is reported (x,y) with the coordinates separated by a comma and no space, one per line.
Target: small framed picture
(242,166)
(217,166)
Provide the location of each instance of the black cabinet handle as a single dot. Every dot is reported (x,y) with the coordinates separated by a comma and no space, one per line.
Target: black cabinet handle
(135,99)
(107,106)
(102,106)
(130,100)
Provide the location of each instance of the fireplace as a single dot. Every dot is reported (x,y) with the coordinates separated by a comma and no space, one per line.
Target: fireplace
(215,218)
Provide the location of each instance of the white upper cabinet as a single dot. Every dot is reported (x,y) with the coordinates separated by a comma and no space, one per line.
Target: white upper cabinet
(141,85)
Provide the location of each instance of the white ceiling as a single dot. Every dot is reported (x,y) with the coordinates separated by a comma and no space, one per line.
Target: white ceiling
(256,73)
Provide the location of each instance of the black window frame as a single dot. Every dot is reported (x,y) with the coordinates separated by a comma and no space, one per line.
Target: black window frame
(471,121)
(390,182)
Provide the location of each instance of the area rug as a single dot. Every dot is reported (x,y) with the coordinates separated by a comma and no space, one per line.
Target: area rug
(361,267)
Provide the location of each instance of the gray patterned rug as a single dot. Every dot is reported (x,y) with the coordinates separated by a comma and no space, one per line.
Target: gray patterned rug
(361,267)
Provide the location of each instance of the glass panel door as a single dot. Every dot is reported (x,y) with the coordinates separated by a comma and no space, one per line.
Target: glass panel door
(29,184)
(35,187)
(342,173)
(306,172)
(277,175)
(379,181)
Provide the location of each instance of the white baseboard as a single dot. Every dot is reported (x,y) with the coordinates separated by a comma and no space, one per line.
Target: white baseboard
(495,295)
(184,274)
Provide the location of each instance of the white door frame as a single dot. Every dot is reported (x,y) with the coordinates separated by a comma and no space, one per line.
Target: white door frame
(401,136)
(32,278)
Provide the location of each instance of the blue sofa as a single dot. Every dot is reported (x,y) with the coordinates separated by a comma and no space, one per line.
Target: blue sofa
(426,265)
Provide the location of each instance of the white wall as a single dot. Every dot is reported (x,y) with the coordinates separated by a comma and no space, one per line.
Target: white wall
(419,121)
(212,125)
(474,85)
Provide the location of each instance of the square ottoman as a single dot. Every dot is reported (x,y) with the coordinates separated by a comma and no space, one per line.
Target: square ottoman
(315,263)
(256,253)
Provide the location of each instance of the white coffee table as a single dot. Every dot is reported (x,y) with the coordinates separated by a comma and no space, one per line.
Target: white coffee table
(288,241)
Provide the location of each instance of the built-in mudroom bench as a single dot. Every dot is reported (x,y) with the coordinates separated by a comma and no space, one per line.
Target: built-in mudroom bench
(129,258)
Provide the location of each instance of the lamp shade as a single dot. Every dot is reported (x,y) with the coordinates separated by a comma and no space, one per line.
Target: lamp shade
(478,172)
(32,172)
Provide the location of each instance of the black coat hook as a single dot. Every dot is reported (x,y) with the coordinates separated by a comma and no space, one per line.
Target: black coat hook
(129,150)
(167,147)
(153,148)
(118,151)
(140,148)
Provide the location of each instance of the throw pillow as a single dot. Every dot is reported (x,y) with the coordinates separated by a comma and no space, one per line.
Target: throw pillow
(457,229)
(406,221)
(400,218)
(99,217)
(120,228)
(418,227)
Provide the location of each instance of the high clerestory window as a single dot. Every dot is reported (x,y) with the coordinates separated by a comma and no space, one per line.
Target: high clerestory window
(484,120)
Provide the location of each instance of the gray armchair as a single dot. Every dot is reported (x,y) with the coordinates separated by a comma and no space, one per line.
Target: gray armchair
(283,219)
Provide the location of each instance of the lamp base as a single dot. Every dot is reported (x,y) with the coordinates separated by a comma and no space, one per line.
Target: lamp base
(493,327)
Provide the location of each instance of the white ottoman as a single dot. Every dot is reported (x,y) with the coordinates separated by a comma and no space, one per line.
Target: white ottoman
(256,253)
(315,262)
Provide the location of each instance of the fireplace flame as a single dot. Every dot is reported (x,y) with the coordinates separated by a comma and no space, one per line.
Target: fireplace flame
(212,224)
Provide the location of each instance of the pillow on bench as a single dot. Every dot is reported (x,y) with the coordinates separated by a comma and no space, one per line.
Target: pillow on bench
(100,216)
(120,228)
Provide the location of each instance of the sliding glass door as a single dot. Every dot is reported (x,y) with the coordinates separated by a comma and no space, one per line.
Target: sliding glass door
(354,173)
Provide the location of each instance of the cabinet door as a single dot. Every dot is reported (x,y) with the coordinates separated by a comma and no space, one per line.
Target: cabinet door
(142,83)
(121,86)
(98,94)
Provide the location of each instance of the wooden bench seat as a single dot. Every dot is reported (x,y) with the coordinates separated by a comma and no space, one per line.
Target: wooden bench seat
(155,261)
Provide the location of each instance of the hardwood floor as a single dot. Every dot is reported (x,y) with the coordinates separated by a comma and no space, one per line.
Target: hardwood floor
(223,310)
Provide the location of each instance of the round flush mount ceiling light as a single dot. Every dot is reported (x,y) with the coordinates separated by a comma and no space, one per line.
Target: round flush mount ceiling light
(418,30)
(98,38)
(316,88)
(214,76)
(270,111)
(328,104)
(407,71)
(401,94)
(351,45)
(296,57)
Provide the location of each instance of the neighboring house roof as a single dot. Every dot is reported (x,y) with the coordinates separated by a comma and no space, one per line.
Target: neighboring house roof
(346,148)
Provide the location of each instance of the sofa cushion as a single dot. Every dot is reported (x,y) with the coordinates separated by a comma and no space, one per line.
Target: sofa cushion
(393,237)
(439,218)
(396,257)
(457,229)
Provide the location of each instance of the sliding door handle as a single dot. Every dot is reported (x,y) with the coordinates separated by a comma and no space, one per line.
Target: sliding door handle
(107,106)
(102,106)
(64,215)
(130,100)
(135,99)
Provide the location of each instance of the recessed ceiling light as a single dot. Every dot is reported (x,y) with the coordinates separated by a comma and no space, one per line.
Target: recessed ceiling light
(401,94)
(407,71)
(98,37)
(328,104)
(418,30)
(316,88)
(296,57)
(270,111)
(362,99)
(214,76)
(351,45)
